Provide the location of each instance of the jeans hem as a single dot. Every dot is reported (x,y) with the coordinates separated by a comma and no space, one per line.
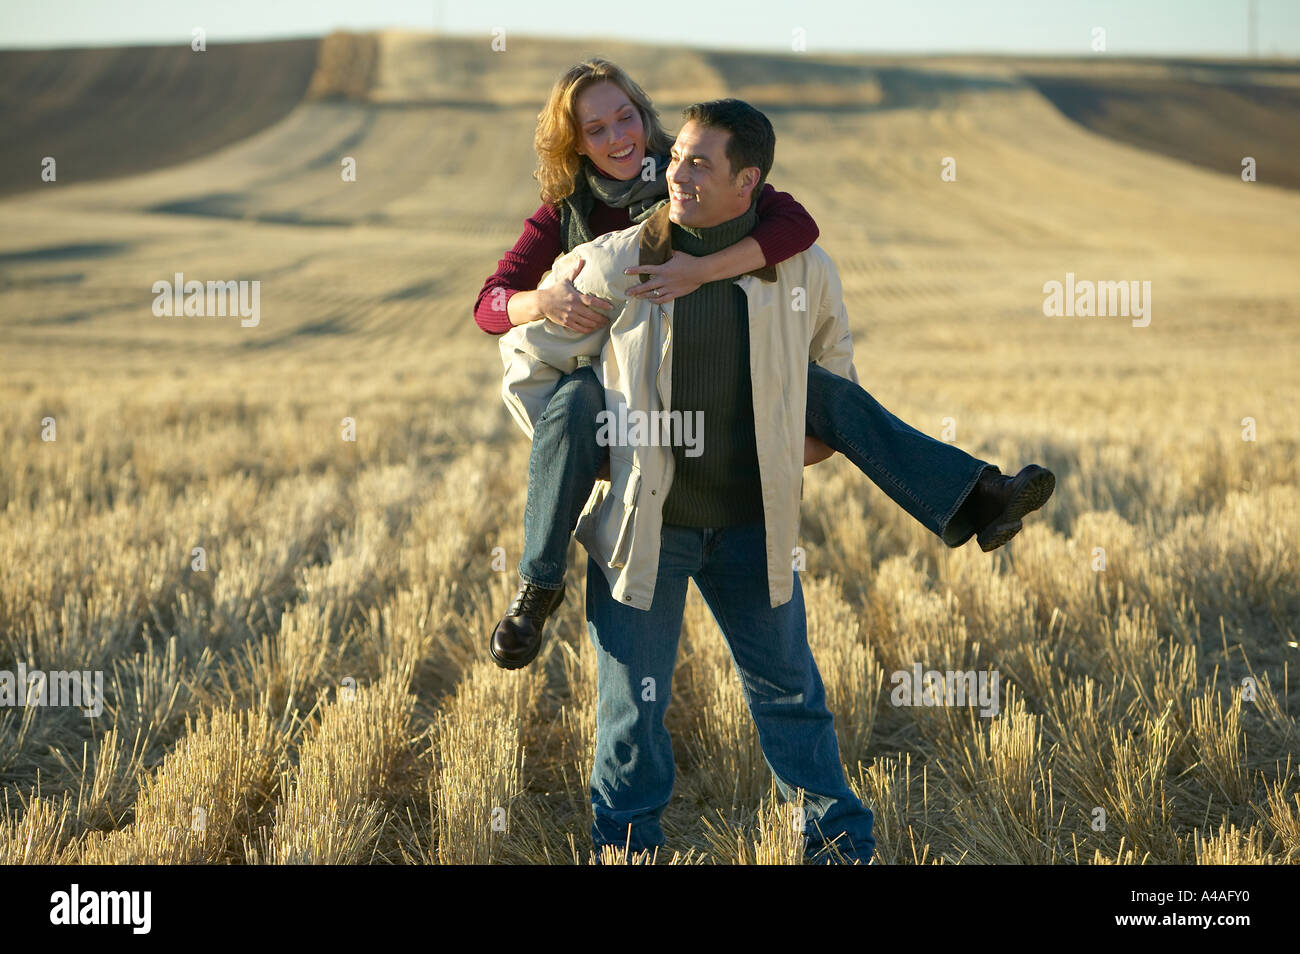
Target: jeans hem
(539,583)
(955,537)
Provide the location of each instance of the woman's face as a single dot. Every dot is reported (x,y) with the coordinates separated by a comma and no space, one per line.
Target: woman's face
(610,132)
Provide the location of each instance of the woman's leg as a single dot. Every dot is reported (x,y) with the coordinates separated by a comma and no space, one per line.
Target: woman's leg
(562,467)
(926,477)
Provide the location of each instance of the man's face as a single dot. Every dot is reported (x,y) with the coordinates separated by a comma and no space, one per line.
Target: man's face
(701,190)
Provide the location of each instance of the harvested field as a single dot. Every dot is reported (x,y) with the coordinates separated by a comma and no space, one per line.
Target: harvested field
(321,686)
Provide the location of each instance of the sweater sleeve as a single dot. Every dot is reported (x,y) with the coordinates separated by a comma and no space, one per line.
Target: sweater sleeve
(520,270)
(784,226)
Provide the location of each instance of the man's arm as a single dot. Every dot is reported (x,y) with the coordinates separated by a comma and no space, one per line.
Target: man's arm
(831,345)
(814,451)
(538,353)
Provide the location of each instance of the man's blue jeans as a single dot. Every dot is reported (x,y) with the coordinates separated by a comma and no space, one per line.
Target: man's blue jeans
(926,477)
(632,776)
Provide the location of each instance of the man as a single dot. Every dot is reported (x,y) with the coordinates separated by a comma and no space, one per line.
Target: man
(721,508)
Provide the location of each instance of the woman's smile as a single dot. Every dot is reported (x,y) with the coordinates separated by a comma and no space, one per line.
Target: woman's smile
(611,129)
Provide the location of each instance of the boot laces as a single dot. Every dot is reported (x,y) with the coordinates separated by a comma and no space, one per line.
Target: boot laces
(531,602)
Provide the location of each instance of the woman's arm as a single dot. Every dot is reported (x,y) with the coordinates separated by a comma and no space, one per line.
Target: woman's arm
(784,230)
(522,267)
(784,227)
(561,302)
(510,296)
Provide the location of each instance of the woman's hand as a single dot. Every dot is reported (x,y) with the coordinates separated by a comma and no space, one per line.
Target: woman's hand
(563,304)
(678,276)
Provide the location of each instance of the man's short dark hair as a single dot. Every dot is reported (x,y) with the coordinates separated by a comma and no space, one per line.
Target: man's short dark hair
(752,141)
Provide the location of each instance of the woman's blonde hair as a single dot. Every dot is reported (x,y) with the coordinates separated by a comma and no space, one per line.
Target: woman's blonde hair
(558,129)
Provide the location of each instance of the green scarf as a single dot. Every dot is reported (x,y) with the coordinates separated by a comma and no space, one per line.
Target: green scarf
(638,195)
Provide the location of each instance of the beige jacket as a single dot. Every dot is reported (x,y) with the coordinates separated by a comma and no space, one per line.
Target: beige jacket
(795,309)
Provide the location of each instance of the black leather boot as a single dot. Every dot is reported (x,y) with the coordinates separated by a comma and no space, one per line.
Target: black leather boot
(519,636)
(998,502)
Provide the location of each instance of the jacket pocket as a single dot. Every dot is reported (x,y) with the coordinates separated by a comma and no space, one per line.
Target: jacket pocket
(608,525)
(626,526)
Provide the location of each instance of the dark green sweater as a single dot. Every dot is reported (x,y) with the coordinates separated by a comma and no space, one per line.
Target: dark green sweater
(710,342)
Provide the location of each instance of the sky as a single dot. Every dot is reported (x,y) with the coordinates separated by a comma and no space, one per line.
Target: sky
(1061,27)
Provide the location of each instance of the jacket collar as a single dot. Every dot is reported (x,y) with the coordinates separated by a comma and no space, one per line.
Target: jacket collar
(656,246)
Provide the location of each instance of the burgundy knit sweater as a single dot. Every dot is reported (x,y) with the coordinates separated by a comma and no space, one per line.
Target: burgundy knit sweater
(784,230)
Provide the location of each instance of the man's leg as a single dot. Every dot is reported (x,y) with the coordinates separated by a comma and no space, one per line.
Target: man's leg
(632,774)
(562,467)
(928,478)
(783,688)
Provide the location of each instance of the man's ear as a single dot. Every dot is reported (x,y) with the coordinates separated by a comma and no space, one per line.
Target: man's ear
(747,180)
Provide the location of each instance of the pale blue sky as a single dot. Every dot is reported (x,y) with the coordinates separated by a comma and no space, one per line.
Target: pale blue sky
(1133,27)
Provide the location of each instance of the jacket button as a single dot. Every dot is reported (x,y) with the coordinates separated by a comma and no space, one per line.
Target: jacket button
(627,599)
(653,492)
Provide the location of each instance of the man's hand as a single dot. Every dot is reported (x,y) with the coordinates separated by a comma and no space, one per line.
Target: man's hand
(678,276)
(563,304)
(814,451)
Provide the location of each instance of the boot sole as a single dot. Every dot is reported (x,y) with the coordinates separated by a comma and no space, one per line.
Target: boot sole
(1032,495)
(521,663)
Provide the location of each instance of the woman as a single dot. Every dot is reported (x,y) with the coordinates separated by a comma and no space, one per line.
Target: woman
(602,155)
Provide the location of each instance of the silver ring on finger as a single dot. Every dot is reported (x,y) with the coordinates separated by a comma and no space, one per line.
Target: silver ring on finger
(657,292)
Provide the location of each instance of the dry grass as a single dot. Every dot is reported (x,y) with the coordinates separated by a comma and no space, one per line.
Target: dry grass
(322,690)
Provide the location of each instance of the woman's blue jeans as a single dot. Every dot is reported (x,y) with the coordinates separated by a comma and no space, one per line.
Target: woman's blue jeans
(926,477)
